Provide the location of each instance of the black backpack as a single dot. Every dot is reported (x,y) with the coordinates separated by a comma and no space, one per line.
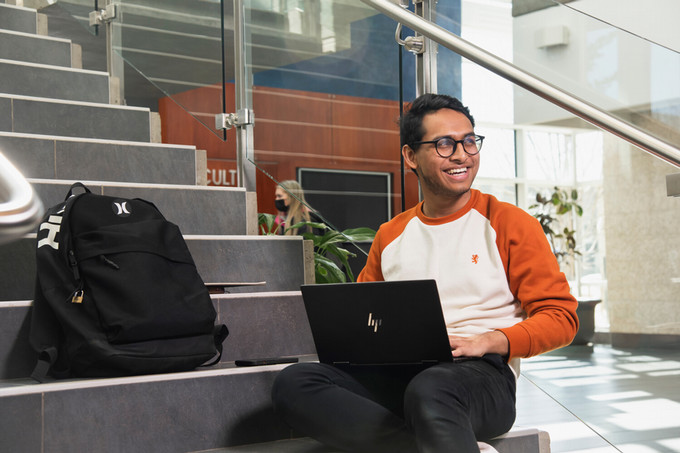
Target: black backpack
(117,293)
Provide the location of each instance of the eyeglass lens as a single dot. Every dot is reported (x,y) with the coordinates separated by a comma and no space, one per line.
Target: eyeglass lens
(446,146)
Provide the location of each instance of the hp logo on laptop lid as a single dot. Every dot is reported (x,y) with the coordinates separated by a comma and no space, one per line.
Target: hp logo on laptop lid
(374,322)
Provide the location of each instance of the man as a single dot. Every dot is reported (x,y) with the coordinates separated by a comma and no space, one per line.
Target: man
(503,297)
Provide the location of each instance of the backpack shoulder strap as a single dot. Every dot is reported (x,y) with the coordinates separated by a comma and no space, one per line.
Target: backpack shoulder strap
(220,334)
(44,335)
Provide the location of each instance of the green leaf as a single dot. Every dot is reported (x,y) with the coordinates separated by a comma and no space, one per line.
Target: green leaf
(328,270)
(359,234)
(267,223)
(317,225)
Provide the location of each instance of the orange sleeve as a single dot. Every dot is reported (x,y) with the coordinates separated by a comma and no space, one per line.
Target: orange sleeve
(387,232)
(372,271)
(538,284)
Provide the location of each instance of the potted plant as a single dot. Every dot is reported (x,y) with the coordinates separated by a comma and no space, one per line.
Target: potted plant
(554,212)
(329,255)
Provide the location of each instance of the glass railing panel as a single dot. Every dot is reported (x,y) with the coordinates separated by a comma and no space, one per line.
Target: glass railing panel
(627,268)
(325,93)
(177,47)
(80,10)
(628,74)
(654,23)
(167,56)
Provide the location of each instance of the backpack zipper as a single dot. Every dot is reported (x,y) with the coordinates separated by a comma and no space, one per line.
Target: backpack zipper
(108,262)
(74,264)
(78,294)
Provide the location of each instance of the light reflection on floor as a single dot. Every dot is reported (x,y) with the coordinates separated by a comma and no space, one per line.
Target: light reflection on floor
(603,400)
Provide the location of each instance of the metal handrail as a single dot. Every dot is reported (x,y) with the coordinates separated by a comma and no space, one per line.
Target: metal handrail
(22,210)
(514,74)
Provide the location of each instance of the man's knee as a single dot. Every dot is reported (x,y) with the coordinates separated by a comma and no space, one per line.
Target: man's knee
(288,382)
(432,388)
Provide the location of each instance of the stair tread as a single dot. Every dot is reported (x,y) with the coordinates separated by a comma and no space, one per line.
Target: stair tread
(52,67)
(27,386)
(70,102)
(309,445)
(299,445)
(68,182)
(68,138)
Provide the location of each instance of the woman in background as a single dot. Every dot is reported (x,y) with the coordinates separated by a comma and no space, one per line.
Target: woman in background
(292,207)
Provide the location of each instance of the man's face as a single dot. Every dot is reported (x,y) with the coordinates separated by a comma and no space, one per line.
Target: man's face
(445,181)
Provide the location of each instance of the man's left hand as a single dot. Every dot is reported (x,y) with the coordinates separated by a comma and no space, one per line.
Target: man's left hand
(478,345)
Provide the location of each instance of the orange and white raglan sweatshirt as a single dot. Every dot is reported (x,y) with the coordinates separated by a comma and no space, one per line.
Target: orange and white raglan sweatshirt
(494,270)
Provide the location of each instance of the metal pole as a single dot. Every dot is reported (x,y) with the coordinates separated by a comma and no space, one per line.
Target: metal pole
(245,169)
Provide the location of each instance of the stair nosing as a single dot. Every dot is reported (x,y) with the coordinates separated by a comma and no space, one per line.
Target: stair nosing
(245,237)
(9,5)
(255,295)
(24,389)
(141,185)
(66,138)
(33,35)
(69,102)
(53,67)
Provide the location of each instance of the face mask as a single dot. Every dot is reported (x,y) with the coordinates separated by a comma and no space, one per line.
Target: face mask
(281,205)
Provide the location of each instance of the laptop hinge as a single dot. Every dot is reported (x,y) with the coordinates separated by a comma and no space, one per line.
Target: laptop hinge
(340,363)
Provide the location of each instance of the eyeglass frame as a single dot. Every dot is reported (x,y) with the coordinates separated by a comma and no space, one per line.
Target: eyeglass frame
(455,142)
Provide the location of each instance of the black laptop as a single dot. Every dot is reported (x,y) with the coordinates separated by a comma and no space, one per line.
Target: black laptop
(377,323)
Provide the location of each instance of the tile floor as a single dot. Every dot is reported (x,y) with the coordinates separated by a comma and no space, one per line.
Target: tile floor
(602,399)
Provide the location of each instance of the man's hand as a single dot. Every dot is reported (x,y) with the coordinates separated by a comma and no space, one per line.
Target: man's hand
(478,345)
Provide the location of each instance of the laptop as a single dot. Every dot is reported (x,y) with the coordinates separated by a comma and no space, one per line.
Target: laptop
(377,323)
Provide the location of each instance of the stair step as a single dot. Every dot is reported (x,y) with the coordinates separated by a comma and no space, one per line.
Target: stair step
(175,412)
(270,324)
(46,157)
(209,210)
(17,358)
(518,440)
(218,259)
(35,115)
(32,48)
(250,258)
(18,18)
(39,80)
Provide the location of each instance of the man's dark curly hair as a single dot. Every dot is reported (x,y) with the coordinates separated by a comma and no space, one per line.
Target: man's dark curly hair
(412,121)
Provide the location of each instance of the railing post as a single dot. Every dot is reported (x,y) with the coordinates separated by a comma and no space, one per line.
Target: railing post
(245,168)
(426,61)
(114,62)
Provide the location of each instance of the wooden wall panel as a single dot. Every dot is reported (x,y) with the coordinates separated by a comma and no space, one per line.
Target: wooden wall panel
(296,129)
(182,126)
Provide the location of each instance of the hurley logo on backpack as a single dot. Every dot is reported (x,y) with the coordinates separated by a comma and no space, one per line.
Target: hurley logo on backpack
(117,293)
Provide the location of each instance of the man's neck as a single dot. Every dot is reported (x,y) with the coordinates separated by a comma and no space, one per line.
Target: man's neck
(435,207)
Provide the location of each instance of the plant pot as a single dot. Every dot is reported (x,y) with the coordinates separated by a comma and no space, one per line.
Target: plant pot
(586,316)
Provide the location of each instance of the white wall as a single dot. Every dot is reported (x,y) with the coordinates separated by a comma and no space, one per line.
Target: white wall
(601,64)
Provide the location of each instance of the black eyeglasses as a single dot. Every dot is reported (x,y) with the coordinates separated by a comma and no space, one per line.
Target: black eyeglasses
(446,146)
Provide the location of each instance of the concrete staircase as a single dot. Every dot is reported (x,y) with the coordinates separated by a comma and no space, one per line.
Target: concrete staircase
(57,127)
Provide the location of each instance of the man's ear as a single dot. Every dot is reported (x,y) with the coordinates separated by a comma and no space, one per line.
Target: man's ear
(409,157)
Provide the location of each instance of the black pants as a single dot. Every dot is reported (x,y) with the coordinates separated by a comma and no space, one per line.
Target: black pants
(443,408)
